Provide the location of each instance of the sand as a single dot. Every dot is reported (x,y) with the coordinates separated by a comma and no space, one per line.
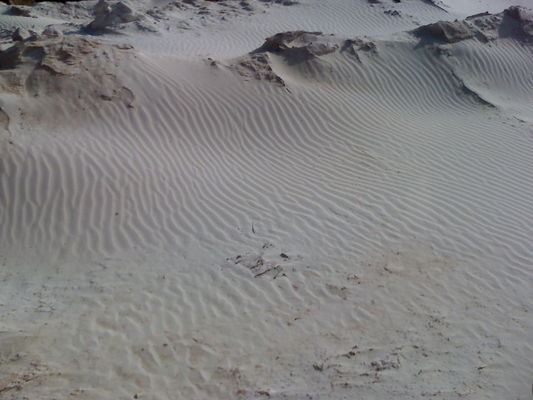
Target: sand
(261,199)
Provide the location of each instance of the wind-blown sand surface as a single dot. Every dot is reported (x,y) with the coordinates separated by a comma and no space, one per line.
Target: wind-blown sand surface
(252,200)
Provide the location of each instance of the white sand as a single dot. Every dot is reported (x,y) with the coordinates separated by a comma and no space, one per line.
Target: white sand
(349,216)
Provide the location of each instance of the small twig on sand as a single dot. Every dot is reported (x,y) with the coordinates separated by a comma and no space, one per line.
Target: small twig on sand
(264,272)
(276,268)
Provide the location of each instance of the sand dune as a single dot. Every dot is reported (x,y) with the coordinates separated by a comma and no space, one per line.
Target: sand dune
(340,211)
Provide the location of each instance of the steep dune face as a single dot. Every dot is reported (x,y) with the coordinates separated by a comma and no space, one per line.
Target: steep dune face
(326,216)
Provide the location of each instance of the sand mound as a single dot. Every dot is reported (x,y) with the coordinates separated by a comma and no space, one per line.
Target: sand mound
(64,69)
(109,15)
(449,32)
(294,47)
(298,45)
(514,22)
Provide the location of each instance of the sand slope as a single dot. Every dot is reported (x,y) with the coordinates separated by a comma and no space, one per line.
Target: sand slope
(332,216)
